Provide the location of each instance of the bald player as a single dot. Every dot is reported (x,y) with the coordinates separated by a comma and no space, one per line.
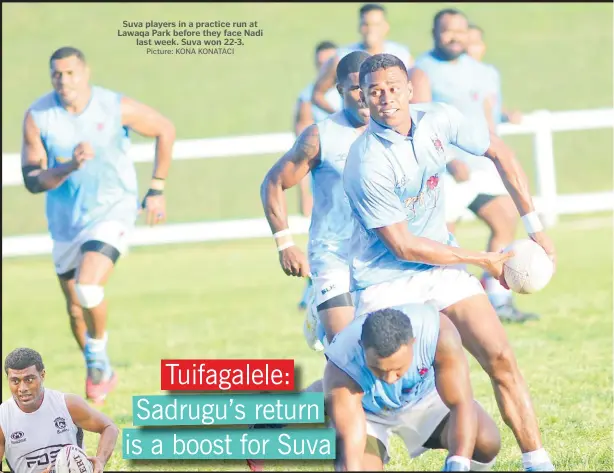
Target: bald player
(476,48)
(306,114)
(321,149)
(373,29)
(75,150)
(447,74)
(402,251)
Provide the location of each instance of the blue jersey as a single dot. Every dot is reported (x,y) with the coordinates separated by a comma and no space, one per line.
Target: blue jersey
(460,83)
(391,178)
(390,47)
(105,188)
(492,84)
(381,398)
(333,97)
(331,219)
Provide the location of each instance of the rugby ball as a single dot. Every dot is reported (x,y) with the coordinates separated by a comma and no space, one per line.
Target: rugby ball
(530,269)
(72,459)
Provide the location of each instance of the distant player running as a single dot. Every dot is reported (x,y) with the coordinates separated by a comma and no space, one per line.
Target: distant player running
(446,74)
(373,28)
(75,143)
(401,249)
(307,114)
(321,149)
(403,371)
(35,423)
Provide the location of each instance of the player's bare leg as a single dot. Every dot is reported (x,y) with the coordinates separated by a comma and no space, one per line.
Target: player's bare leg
(75,312)
(485,338)
(92,275)
(501,216)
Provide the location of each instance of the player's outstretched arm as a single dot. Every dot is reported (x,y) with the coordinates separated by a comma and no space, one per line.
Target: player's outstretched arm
(149,122)
(37,178)
(517,185)
(421,86)
(344,406)
(454,387)
(325,82)
(94,421)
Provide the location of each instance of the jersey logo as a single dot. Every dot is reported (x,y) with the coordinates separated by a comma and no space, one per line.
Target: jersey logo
(437,143)
(18,437)
(433,181)
(100,126)
(423,371)
(60,424)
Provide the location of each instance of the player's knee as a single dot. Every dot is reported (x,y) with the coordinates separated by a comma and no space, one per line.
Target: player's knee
(501,365)
(75,311)
(488,444)
(89,295)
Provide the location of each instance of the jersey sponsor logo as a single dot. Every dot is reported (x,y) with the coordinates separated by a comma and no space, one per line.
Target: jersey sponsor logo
(328,289)
(44,458)
(60,424)
(18,437)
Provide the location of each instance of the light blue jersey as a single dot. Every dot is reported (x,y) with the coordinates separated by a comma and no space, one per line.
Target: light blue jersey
(390,47)
(381,398)
(463,84)
(331,219)
(105,188)
(333,97)
(391,178)
(492,84)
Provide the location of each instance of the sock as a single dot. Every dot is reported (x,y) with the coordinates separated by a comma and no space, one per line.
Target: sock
(477,466)
(531,459)
(96,353)
(497,294)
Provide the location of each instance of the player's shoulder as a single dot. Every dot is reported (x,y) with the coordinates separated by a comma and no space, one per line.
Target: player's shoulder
(424,58)
(345,348)
(105,95)
(44,103)
(394,46)
(433,109)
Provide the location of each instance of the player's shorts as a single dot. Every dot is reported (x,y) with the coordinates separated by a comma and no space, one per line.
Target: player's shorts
(67,254)
(414,425)
(459,196)
(330,284)
(441,286)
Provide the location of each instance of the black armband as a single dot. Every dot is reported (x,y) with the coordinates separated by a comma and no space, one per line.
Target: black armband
(31,182)
(151,193)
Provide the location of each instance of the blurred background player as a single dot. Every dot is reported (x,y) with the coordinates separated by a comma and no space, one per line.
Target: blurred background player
(321,149)
(403,371)
(476,48)
(47,419)
(307,114)
(447,74)
(373,28)
(75,143)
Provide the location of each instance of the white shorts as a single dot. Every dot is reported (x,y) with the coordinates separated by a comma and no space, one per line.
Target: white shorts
(442,287)
(459,195)
(331,284)
(414,425)
(67,254)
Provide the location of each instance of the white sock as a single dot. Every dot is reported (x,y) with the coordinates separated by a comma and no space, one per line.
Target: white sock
(497,294)
(95,344)
(531,459)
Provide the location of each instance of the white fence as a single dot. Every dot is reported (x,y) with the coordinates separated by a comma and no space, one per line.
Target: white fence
(542,124)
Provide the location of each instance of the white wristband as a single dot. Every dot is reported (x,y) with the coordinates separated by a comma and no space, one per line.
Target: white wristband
(532,223)
(466,462)
(285,246)
(281,233)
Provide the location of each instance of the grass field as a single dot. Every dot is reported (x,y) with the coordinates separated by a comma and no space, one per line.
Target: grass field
(231,299)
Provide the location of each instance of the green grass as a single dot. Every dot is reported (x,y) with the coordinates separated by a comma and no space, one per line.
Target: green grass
(232,300)
(545,53)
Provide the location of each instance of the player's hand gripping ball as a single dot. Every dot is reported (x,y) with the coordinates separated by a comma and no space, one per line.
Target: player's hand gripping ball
(530,269)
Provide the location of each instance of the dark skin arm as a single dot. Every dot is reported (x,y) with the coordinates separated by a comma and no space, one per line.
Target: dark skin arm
(326,81)
(517,185)
(37,178)
(304,118)
(94,421)
(344,406)
(454,387)
(148,122)
(289,171)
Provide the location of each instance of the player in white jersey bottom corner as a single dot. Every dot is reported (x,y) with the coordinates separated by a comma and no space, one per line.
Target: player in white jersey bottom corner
(36,422)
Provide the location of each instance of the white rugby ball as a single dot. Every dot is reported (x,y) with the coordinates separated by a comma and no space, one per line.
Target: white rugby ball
(72,459)
(530,269)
